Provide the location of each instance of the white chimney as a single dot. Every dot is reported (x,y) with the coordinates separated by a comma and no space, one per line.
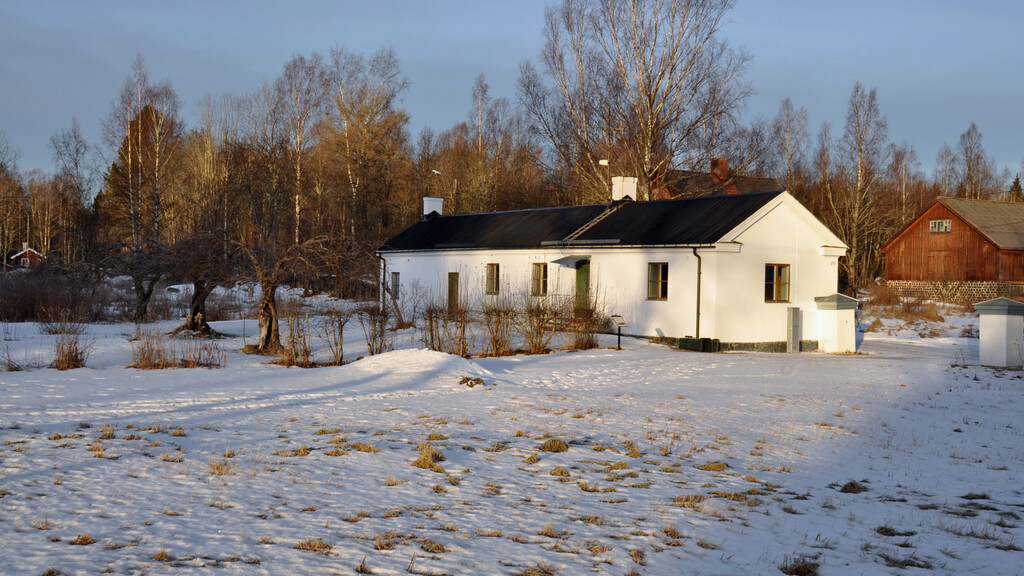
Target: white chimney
(24,246)
(623,186)
(433,204)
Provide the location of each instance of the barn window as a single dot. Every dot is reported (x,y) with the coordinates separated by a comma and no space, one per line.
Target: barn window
(492,279)
(394,285)
(539,279)
(776,282)
(24,262)
(940,226)
(657,281)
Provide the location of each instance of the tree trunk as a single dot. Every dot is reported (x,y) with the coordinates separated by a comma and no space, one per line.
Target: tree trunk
(143,287)
(270,335)
(196,319)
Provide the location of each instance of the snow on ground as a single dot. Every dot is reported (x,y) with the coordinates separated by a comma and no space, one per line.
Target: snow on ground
(906,458)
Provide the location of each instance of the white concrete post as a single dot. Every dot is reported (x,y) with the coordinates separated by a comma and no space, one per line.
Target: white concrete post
(837,323)
(1001,333)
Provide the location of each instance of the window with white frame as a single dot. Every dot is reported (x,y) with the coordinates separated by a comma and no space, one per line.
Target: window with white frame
(657,281)
(776,282)
(539,279)
(492,280)
(395,284)
(940,226)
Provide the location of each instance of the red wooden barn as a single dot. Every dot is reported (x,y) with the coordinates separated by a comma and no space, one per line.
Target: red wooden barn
(960,250)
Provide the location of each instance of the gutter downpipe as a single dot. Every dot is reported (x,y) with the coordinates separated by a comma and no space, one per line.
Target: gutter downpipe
(699,263)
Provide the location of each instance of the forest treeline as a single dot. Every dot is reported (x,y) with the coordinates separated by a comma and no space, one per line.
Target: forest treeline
(300,179)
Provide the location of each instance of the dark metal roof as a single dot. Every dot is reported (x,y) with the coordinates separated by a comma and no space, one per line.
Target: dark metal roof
(684,221)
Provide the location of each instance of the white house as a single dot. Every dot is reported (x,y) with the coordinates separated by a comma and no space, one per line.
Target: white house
(741,268)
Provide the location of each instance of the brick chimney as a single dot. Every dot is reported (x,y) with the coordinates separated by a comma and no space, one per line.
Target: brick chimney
(720,174)
(720,170)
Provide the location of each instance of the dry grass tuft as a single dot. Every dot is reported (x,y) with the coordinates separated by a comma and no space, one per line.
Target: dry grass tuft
(363,447)
(853,487)
(713,466)
(559,471)
(541,569)
(554,445)
(163,556)
(82,540)
(221,468)
(432,547)
(429,457)
(315,545)
(801,565)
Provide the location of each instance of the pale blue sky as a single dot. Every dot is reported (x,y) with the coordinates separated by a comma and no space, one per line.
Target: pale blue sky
(938,65)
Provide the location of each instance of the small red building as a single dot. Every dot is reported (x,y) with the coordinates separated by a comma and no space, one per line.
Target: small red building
(959,250)
(27,258)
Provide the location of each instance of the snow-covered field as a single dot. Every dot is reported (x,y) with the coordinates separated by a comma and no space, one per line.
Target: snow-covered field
(906,458)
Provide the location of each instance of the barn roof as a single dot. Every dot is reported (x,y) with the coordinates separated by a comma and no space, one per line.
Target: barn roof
(677,222)
(1001,222)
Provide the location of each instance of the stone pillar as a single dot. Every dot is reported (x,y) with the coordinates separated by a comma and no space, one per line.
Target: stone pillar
(1001,333)
(837,323)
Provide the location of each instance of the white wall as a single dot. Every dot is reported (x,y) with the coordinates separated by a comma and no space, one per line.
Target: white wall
(780,236)
(732,284)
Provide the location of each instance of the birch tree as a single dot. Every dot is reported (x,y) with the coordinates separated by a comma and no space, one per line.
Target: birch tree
(643,83)
(303,86)
(850,182)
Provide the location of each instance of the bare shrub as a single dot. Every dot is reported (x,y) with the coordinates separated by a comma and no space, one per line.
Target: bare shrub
(70,351)
(500,320)
(538,323)
(201,352)
(883,295)
(299,351)
(60,321)
(150,351)
(332,330)
(587,322)
(458,341)
(435,320)
(446,329)
(374,320)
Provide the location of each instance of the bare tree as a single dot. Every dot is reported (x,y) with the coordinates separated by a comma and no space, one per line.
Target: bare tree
(640,82)
(11,196)
(791,137)
(977,174)
(853,204)
(303,86)
(903,173)
(945,167)
(368,135)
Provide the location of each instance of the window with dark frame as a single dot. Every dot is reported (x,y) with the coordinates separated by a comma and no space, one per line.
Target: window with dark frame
(493,279)
(539,279)
(940,226)
(776,282)
(395,277)
(657,281)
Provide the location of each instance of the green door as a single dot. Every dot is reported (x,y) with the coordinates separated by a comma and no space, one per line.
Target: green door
(453,291)
(583,284)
